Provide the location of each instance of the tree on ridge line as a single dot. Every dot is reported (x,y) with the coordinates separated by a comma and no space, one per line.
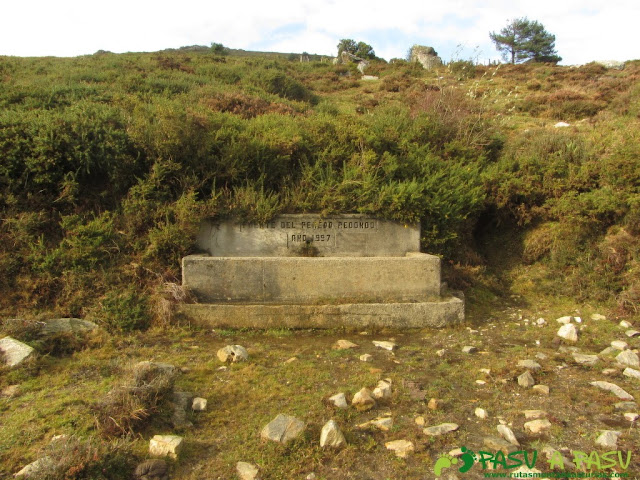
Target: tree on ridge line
(525,40)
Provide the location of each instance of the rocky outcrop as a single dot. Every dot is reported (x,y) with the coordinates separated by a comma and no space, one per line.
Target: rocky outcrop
(426,56)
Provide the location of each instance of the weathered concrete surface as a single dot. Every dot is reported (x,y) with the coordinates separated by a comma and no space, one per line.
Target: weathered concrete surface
(304,235)
(353,315)
(312,279)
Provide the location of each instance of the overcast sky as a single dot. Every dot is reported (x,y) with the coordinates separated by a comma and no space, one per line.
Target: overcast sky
(585,30)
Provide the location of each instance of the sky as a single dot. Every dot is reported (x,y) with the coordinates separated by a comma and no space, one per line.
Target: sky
(585,30)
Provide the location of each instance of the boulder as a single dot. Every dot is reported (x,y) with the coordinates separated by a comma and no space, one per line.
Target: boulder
(247,471)
(282,429)
(331,436)
(233,353)
(441,429)
(166,446)
(14,352)
(154,469)
(339,400)
(363,400)
(426,56)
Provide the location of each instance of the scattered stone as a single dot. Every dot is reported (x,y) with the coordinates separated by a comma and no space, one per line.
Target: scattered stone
(541,389)
(282,429)
(563,349)
(233,353)
(366,357)
(11,391)
(562,125)
(630,372)
(619,345)
(481,413)
(311,476)
(344,345)
(369,77)
(383,423)
(609,351)
(469,349)
(597,317)
(537,426)
(433,404)
(541,356)
(67,325)
(153,469)
(14,352)
(331,436)
(37,468)
(613,388)
(609,371)
(402,448)
(631,416)
(564,320)
(291,360)
(608,438)
(632,333)
(247,471)
(625,324)
(534,414)
(582,359)
(363,400)
(551,452)
(568,332)
(530,364)
(385,345)
(625,406)
(541,322)
(441,353)
(526,380)
(481,382)
(383,390)
(498,444)
(628,358)
(181,402)
(420,421)
(506,433)
(441,429)
(166,446)
(339,400)
(199,404)
(486,371)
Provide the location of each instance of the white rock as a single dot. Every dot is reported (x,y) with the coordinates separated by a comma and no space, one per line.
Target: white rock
(541,356)
(530,364)
(629,359)
(469,349)
(562,125)
(385,345)
(609,371)
(608,438)
(632,373)
(613,388)
(233,353)
(526,380)
(568,332)
(344,345)
(383,390)
(37,468)
(247,471)
(481,413)
(541,389)
(582,359)
(537,426)
(331,436)
(632,333)
(506,433)
(383,423)
(402,448)
(541,321)
(366,357)
(619,345)
(165,446)
(441,353)
(339,400)
(14,351)
(564,320)
(597,317)
(486,371)
(441,429)
(631,416)
(199,404)
(577,319)
(625,324)
(363,400)
(282,429)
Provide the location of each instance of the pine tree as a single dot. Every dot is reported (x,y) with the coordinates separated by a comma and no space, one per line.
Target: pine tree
(523,39)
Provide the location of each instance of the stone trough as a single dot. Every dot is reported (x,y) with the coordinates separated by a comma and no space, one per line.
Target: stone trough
(305,271)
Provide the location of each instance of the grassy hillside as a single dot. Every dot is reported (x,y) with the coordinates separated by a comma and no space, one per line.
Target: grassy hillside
(109,162)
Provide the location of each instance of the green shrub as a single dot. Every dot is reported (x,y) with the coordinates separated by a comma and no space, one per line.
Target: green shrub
(125,310)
